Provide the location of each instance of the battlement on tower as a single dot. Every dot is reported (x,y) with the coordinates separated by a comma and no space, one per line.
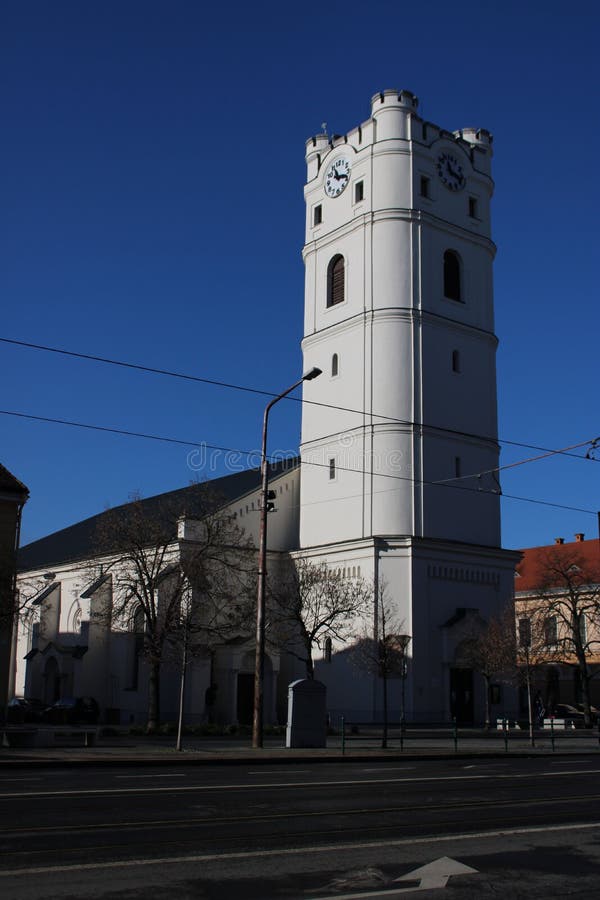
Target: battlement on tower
(394,117)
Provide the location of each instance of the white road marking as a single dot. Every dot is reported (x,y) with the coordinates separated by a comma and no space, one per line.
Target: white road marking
(35,872)
(275,786)
(170,775)
(274,771)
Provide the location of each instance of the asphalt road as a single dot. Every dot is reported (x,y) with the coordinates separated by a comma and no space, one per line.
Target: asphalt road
(501,827)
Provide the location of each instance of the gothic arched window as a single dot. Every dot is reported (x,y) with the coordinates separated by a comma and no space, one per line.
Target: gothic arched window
(335,281)
(452,287)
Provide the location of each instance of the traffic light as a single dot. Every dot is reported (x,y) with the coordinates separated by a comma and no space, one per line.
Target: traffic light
(271,495)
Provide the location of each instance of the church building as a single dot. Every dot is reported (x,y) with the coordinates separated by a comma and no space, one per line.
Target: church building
(398,478)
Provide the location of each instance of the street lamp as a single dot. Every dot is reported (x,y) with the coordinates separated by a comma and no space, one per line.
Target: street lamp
(257,719)
(403,641)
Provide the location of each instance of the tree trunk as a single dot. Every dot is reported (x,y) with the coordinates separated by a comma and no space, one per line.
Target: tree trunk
(529,707)
(182,690)
(310,666)
(385,711)
(487,680)
(585,687)
(153,698)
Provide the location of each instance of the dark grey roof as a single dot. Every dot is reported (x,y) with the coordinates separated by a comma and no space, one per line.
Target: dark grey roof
(79,541)
(11,485)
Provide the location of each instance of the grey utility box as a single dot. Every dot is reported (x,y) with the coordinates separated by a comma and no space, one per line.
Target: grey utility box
(307,714)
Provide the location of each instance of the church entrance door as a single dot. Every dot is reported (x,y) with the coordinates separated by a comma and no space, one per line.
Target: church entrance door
(461,696)
(245,698)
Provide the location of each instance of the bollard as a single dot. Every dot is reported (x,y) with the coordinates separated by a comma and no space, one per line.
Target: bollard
(402,734)
(552,732)
(343,736)
(505,732)
(455,735)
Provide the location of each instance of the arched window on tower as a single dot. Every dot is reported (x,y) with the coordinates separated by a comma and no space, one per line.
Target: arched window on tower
(335,365)
(452,287)
(335,281)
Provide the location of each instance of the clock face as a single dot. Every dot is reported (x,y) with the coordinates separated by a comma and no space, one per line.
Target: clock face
(337,177)
(450,171)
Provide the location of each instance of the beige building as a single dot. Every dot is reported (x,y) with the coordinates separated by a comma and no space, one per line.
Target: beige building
(557,608)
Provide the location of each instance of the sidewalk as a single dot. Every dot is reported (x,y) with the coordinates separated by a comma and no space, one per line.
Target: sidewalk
(136,750)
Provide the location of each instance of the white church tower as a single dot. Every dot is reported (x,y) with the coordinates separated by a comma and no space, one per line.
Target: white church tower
(399,437)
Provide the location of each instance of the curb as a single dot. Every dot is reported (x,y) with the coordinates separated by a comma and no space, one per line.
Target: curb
(267,757)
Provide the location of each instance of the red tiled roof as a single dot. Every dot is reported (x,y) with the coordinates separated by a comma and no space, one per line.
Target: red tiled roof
(532,570)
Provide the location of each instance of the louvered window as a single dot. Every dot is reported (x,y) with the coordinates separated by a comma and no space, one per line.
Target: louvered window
(335,281)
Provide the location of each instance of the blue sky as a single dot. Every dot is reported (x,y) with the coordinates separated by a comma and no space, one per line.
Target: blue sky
(152,165)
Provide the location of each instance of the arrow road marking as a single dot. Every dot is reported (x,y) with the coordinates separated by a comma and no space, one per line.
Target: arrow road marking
(435,874)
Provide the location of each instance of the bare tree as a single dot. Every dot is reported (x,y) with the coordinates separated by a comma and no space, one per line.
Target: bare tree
(381,649)
(156,557)
(532,652)
(313,603)
(210,611)
(565,610)
(490,649)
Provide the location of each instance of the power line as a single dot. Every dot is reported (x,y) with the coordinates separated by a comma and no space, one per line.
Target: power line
(250,453)
(125,433)
(246,389)
(521,462)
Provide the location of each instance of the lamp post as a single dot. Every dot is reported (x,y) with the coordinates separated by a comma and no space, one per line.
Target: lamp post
(403,640)
(257,718)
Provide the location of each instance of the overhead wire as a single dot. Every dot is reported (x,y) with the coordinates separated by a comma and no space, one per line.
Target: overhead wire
(442,483)
(245,388)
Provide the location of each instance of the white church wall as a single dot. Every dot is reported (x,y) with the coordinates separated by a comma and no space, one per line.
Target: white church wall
(283,522)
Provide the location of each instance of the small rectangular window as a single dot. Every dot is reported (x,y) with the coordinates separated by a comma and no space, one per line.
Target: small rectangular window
(473,207)
(457,467)
(524,633)
(359,191)
(317,215)
(424,187)
(550,631)
(331,469)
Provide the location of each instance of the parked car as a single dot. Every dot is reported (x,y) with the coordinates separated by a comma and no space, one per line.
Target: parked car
(594,711)
(73,711)
(24,709)
(568,713)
